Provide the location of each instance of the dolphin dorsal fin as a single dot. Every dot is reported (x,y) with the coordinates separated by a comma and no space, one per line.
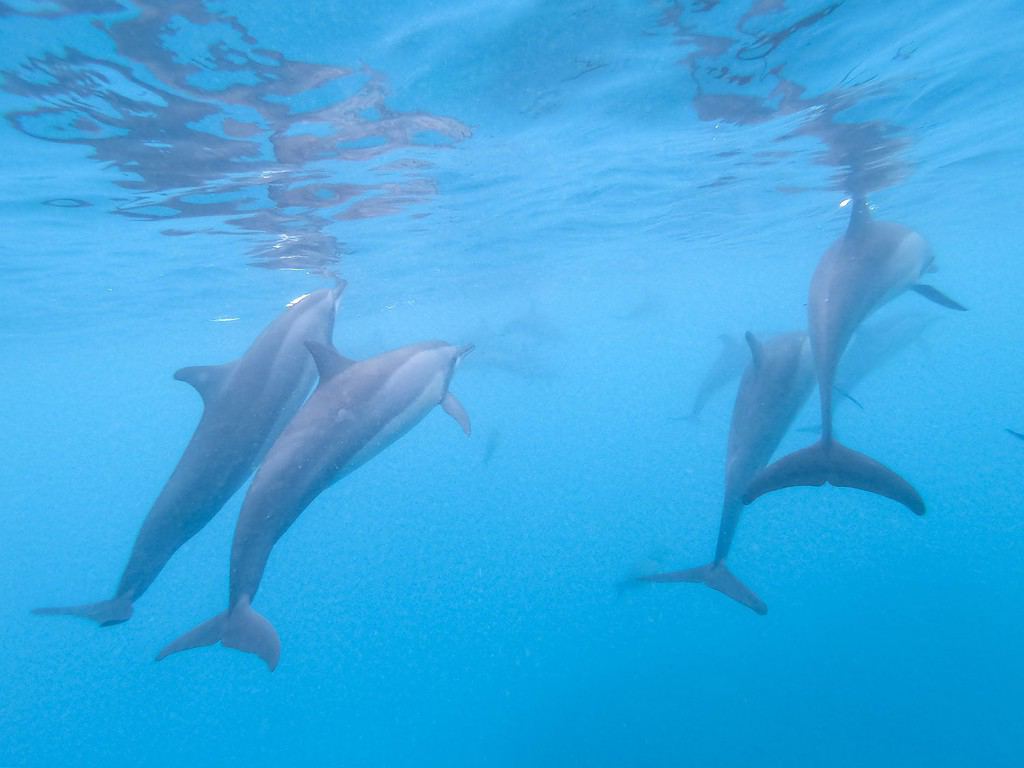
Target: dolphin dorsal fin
(205,378)
(329,362)
(860,215)
(756,350)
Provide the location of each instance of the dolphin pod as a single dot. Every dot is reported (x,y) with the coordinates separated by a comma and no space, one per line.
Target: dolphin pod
(874,344)
(870,265)
(774,386)
(357,410)
(256,418)
(246,403)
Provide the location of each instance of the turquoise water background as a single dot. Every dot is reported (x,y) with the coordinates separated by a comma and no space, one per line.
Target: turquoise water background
(591,192)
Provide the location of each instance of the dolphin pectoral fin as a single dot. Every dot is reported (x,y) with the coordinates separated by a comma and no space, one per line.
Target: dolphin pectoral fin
(848,396)
(454,408)
(1015,433)
(329,362)
(719,578)
(837,465)
(932,293)
(207,633)
(205,378)
(106,613)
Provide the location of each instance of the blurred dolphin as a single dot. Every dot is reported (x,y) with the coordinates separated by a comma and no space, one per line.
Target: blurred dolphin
(728,365)
(246,403)
(777,382)
(870,265)
(876,343)
(358,410)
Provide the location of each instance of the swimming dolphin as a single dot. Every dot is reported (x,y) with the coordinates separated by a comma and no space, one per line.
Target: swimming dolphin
(878,342)
(1015,433)
(358,410)
(246,403)
(774,387)
(874,345)
(874,262)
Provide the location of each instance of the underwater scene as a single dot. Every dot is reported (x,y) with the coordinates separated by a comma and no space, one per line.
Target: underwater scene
(512,383)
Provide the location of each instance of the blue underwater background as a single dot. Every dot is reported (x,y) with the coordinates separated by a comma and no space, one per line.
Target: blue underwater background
(591,192)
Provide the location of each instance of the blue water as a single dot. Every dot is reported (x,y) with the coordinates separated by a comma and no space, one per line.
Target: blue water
(591,192)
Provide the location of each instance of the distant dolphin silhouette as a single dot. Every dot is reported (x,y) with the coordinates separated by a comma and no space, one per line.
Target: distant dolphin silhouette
(246,403)
(728,365)
(876,343)
(358,409)
(871,264)
(774,387)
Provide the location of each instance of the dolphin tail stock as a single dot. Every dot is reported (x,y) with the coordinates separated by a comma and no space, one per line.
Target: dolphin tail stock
(718,577)
(240,628)
(106,613)
(833,463)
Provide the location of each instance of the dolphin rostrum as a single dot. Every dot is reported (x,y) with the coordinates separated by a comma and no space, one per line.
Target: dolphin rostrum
(872,263)
(246,403)
(774,387)
(358,410)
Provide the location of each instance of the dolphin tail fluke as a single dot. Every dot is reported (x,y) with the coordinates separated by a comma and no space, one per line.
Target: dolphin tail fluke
(242,629)
(834,463)
(719,578)
(250,632)
(207,633)
(106,613)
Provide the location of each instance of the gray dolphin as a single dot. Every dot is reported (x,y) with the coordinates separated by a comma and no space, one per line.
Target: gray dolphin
(358,410)
(874,345)
(877,343)
(246,403)
(872,263)
(774,386)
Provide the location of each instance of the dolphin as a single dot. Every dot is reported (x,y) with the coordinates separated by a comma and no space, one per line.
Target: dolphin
(872,263)
(874,345)
(358,410)
(774,387)
(246,403)
(1015,433)
(878,342)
